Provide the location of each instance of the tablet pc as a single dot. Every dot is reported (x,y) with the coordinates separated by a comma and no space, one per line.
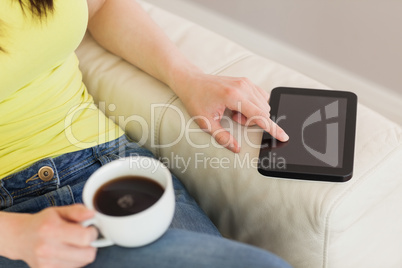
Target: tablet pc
(321,125)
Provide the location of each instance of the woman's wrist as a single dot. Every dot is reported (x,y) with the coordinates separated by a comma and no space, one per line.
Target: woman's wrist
(180,78)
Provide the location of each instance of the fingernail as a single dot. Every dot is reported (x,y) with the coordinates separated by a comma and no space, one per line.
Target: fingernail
(285,136)
(234,148)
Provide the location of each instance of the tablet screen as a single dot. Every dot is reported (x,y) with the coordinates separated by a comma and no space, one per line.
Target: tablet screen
(321,127)
(317,127)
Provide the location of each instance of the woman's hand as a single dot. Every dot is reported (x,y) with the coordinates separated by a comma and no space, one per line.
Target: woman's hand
(207,96)
(53,237)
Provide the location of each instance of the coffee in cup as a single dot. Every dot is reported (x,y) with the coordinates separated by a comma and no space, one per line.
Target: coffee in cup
(127,195)
(133,199)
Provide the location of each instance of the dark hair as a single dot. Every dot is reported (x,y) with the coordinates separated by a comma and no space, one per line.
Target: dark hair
(38,8)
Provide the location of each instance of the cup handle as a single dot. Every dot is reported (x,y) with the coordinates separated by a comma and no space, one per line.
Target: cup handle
(100,242)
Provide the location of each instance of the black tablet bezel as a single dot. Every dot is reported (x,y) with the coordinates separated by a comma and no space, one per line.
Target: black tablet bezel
(305,172)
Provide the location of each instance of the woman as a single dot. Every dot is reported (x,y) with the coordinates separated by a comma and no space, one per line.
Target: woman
(45,161)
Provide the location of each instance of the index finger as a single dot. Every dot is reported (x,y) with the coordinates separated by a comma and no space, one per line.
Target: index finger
(262,119)
(75,213)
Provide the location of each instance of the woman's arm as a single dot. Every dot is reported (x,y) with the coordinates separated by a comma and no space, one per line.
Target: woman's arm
(125,29)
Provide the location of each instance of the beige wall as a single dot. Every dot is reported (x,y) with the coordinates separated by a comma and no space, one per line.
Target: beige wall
(363,37)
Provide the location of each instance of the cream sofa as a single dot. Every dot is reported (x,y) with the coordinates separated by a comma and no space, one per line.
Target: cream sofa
(310,224)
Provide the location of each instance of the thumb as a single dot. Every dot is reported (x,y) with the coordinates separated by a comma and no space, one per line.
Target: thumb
(75,213)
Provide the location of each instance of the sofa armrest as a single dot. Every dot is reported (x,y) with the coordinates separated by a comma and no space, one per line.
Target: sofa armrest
(310,224)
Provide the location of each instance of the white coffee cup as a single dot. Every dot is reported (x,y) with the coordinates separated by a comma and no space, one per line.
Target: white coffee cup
(137,229)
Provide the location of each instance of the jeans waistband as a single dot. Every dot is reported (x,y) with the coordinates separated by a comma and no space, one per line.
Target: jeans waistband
(47,174)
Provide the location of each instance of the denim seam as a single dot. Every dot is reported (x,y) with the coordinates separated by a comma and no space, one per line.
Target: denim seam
(50,200)
(124,144)
(112,151)
(12,175)
(71,193)
(11,197)
(54,179)
(82,164)
(8,177)
(118,149)
(5,199)
(73,168)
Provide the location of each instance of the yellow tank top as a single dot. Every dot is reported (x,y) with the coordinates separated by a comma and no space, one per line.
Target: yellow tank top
(45,109)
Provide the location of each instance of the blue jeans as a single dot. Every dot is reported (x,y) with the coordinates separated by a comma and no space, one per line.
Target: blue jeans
(191,241)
